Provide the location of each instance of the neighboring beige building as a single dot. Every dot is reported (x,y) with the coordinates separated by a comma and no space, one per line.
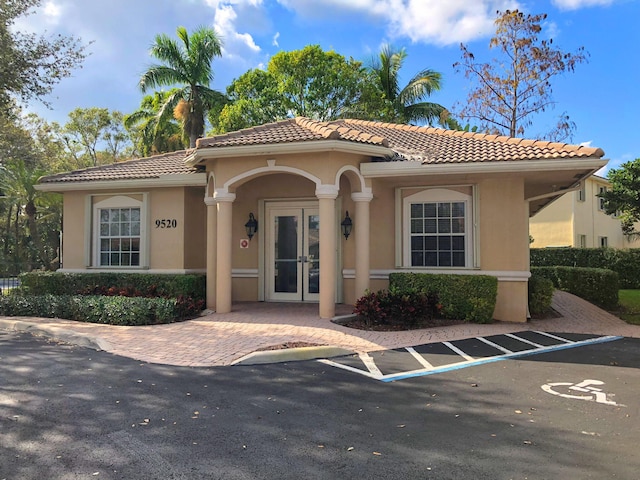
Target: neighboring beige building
(421,199)
(577,219)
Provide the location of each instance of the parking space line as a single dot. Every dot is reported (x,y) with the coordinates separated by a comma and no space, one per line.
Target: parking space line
(421,360)
(523,340)
(458,351)
(494,345)
(370,364)
(374,372)
(550,335)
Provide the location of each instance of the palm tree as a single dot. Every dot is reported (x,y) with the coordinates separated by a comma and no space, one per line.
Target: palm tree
(150,134)
(405,105)
(188,64)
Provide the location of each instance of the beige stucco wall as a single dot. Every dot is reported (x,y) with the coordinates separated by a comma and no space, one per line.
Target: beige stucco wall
(169,249)
(553,225)
(562,222)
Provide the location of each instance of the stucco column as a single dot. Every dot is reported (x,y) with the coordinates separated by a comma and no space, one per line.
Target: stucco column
(328,254)
(362,239)
(212,219)
(224,250)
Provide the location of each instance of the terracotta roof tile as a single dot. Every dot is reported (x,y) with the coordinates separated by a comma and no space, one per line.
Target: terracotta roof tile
(150,167)
(428,145)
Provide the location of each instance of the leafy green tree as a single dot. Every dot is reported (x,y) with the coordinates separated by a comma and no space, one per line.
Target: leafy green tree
(517,83)
(188,64)
(404,104)
(624,197)
(31,65)
(89,129)
(150,133)
(308,82)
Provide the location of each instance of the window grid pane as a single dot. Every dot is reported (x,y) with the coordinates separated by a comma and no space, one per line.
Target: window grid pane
(442,241)
(119,232)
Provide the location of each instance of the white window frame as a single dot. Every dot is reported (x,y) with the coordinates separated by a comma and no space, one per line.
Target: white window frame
(603,242)
(582,240)
(582,193)
(120,201)
(600,199)
(435,195)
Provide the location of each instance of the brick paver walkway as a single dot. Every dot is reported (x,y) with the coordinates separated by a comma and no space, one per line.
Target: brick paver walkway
(219,339)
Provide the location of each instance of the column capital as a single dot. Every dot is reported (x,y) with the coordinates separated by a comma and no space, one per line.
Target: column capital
(362,196)
(210,201)
(327,191)
(223,195)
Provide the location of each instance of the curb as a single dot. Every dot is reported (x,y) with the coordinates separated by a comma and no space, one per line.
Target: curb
(55,333)
(291,355)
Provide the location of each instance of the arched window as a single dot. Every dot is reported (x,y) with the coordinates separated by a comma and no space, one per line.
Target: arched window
(438,229)
(119,232)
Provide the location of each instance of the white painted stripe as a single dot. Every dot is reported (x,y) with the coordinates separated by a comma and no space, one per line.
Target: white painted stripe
(514,355)
(458,351)
(421,360)
(370,364)
(349,368)
(523,340)
(494,345)
(554,336)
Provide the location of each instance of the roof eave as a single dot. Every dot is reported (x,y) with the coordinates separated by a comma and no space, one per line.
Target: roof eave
(408,168)
(178,180)
(313,146)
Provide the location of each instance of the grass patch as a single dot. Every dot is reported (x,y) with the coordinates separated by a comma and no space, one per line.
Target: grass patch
(629,306)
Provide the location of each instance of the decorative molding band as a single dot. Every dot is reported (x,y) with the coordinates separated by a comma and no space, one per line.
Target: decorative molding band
(210,201)
(159,271)
(393,169)
(362,196)
(327,191)
(222,195)
(244,273)
(502,276)
(181,180)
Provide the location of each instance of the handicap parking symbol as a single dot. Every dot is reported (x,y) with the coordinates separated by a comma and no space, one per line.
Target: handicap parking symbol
(587,390)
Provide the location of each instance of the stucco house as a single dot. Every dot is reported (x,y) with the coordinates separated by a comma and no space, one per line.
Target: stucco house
(418,198)
(578,219)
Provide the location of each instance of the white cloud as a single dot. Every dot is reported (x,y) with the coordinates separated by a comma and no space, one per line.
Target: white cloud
(275,39)
(577,4)
(52,11)
(234,43)
(429,21)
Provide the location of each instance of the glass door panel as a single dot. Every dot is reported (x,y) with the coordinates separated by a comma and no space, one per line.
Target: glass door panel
(312,253)
(286,253)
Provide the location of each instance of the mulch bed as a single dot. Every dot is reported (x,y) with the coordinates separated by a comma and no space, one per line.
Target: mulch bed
(282,346)
(359,323)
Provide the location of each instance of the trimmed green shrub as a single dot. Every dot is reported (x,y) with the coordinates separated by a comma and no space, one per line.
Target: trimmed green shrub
(596,285)
(540,294)
(393,307)
(625,262)
(471,298)
(151,285)
(114,310)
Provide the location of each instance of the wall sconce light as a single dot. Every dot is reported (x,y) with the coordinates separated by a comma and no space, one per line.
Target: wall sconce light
(251,226)
(346,225)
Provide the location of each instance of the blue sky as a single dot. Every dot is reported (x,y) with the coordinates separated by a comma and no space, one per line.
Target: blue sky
(600,97)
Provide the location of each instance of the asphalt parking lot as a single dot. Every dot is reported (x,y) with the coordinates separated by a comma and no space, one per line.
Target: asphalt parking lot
(70,412)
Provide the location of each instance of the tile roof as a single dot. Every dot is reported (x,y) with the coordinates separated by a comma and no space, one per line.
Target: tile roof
(428,145)
(140,168)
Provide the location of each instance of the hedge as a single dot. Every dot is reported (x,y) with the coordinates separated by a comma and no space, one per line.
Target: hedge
(625,262)
(540,291)
(94,308)
(161,285)
(596,285)
(471,298)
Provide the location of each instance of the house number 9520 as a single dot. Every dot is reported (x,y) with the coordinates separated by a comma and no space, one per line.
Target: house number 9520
(167,223)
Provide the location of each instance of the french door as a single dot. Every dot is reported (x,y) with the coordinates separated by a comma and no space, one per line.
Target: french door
(293,252)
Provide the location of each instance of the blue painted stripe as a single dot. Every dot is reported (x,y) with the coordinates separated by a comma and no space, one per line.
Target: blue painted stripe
(526,353)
